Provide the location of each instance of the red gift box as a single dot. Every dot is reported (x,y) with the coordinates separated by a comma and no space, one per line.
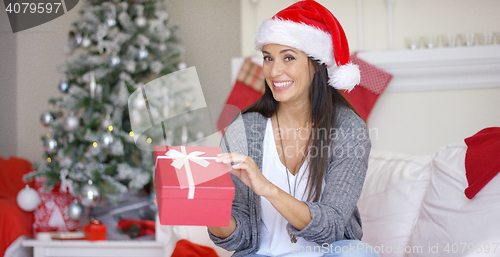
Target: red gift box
(95,231)
(52,213)
(191,188)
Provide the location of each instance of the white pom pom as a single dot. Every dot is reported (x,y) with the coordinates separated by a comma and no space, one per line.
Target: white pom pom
(344,77)
(28,199)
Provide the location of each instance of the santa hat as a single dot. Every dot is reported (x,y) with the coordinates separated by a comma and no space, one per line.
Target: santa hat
(311,28)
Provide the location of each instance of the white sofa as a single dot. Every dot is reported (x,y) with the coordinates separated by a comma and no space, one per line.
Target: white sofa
(416,206)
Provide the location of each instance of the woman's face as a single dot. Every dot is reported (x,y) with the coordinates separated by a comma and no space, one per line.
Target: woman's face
(288,73)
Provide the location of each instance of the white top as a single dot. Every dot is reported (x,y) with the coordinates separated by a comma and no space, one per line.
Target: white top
(275,240)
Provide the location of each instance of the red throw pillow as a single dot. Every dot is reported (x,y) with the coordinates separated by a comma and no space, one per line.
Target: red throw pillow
(14,222)
(12,171)
(185,248)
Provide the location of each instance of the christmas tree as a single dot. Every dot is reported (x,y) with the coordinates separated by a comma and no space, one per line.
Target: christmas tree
(115,47)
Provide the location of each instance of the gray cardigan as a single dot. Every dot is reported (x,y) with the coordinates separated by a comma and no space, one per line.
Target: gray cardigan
(334,217)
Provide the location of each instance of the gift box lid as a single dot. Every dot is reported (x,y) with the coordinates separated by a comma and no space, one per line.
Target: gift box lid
(167,183)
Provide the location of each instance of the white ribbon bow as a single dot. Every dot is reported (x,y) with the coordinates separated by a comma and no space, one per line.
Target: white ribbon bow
(182,159)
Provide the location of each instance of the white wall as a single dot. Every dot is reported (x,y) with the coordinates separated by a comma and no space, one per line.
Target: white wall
(408,122)
(8,110)
(422,122)
(210,34)
(37,52)
(410,18)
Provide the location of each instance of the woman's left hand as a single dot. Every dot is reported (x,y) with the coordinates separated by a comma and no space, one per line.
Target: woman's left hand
(247,171)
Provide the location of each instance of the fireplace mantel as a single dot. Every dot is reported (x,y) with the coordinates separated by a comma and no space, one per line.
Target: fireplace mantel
(439,68)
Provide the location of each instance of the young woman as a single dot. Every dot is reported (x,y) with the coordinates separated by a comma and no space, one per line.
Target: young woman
(306,149)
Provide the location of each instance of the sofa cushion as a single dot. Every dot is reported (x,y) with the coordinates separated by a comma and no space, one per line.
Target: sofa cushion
(391,198)
(449,223)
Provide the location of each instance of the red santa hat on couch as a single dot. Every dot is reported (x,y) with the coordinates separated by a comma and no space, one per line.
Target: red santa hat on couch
(311,28)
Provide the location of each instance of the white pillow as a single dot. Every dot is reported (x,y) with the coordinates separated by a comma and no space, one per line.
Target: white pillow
(391,198)
(450,223)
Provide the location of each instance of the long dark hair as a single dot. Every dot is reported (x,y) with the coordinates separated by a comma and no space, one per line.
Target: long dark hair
(324,103)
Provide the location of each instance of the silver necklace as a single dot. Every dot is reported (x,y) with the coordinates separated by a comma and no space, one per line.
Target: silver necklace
(296,129)
(293,239)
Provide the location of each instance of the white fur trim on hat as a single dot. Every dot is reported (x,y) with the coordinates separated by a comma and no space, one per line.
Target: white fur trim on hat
(314,42)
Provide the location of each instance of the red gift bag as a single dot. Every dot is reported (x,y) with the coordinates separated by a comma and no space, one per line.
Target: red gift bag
(52,213)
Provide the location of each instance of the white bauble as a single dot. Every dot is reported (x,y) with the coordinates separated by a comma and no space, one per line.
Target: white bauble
(28,199)
(63,86)
(181,66)
(75,210)
(114,61)
(47,118)
(50,145)
(77,40)
(71,123)
(86,42)
(111,22)
(140,21)
(142,54)
(162,47)
(105,140)
(90,195)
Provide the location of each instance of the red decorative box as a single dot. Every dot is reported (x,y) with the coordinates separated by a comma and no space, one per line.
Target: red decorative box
(191,188)
(52,213)
(95,231)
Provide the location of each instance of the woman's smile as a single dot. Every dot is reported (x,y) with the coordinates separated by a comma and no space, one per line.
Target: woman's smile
(282,85)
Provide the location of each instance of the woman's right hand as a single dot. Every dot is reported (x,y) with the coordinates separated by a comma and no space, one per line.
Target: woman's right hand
(249,173)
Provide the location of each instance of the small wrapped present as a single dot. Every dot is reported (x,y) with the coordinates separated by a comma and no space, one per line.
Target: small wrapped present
(191,188)
(95,231)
